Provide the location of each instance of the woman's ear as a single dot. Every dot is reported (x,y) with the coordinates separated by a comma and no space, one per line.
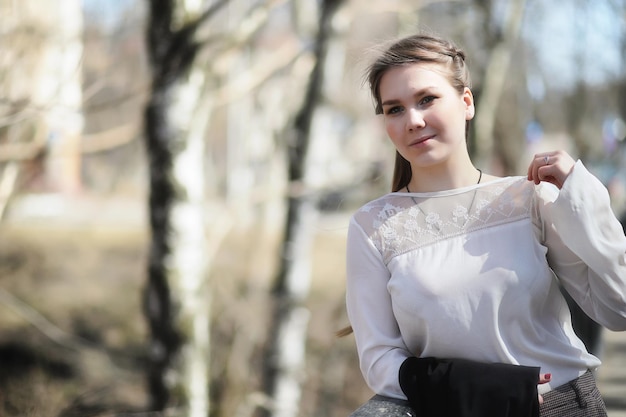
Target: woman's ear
(468,99)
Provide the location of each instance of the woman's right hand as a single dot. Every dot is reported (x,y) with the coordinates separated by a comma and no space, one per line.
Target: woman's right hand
(553,167)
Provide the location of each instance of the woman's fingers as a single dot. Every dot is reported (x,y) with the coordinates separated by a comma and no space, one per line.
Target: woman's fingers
(543,379)
(553,167)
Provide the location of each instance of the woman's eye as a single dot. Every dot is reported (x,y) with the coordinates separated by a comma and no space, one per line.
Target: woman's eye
(427,100)
(394,110)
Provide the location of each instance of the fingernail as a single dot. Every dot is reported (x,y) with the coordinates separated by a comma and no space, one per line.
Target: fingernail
(548,376)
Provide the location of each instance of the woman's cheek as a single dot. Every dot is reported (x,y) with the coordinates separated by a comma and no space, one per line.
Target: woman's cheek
(393,130)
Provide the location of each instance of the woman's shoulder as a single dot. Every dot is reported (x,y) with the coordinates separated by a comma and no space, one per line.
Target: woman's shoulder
(399,222)
(395,206)
(372,214)
(390,202)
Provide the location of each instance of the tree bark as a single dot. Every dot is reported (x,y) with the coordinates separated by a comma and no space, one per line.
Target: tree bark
(41,80)
(495,77)
(59,91)
(284,354)
(176,297)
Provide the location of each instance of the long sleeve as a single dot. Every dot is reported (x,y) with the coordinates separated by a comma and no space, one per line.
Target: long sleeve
(586,246)
(378,340)
(469,274)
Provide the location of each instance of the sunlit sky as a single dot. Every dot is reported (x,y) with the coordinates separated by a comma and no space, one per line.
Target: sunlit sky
(574,39)
(108,11)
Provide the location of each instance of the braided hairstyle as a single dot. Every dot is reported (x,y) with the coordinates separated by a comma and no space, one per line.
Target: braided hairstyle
(412,50)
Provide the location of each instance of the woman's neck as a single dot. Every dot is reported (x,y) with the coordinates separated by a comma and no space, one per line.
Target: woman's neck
(434,179)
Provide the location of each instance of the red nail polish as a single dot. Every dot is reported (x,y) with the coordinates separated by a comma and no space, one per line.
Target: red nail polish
(548,376)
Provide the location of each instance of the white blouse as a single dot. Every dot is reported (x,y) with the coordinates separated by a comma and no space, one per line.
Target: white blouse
(474,273)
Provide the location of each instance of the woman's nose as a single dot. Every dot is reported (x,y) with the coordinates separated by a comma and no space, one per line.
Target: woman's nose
(415,119)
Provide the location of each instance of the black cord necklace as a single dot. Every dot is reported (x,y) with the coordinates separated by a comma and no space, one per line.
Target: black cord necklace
(480,177)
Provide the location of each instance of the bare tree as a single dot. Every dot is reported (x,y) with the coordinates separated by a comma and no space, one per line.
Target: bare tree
(284,356)
(501,43)
(41,74)
(176,298)
(60,92)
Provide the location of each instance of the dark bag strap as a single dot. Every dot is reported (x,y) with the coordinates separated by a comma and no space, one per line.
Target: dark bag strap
(465,388)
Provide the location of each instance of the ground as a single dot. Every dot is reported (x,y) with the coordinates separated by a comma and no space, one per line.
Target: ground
(74,338)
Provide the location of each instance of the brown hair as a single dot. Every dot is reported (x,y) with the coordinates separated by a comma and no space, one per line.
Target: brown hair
(411,50)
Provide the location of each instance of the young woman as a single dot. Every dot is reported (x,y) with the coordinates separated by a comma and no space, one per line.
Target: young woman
(458,264)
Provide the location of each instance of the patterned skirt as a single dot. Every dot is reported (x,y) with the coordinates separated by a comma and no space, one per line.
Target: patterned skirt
(578,398)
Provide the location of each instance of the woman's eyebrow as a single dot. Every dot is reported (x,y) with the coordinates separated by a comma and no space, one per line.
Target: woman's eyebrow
(418,93)
(390,102)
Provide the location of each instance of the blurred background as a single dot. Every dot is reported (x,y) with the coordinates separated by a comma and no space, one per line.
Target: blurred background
(176,179)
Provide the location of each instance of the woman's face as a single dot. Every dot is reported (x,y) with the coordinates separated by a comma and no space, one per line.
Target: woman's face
(424,115)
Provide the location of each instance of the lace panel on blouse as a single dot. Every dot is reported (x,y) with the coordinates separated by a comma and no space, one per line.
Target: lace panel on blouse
(401,222)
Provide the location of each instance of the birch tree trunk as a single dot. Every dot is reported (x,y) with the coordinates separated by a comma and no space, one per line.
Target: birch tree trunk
(41,81)
(495,77)
(177,302)
(284,355)
(58,90)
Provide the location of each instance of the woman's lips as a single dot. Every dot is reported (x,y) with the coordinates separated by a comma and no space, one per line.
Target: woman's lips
(421,140)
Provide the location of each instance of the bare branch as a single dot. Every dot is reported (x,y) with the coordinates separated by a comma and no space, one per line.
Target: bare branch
(40,322)
(257,17)
(7,185)
(257,75)
(109,139)
(18,111)
(205,16)
(22,151)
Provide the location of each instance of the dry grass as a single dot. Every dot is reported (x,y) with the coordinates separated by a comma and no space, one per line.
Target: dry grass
(88,283)
(73,329)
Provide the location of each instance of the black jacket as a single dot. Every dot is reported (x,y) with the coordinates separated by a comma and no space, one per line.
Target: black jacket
(464,388)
